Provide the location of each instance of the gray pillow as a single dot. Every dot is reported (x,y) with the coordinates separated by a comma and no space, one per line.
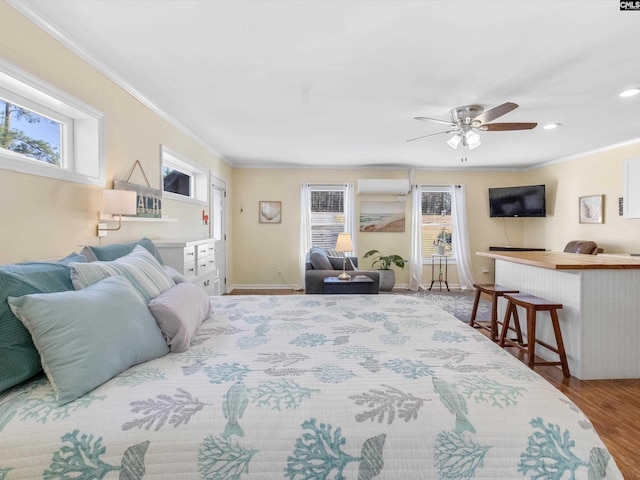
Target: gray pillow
(179,312)
(319,260)
(337,262)
(88,336)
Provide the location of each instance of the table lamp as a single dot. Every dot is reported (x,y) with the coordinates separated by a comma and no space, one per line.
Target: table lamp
(344,244)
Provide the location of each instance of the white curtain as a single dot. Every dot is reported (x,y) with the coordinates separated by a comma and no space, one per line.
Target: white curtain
(350,215)
(415,260)
(461,237)
(305,229)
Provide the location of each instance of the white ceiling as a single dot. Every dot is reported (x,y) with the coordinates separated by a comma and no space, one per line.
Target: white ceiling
(337,83)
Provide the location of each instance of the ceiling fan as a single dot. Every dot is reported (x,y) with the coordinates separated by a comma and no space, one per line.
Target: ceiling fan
(468,120)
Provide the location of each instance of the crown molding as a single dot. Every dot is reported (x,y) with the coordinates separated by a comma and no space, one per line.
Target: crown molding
(45,24)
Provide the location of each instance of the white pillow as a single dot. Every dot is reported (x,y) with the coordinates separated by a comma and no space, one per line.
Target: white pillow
(139,267)
(179,312)
(88,336)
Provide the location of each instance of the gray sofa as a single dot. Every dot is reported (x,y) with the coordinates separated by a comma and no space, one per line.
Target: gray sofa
(322,263)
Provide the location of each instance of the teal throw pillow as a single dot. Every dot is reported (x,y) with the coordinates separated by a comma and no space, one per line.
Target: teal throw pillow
(88,336)
(19,359)
(107,253)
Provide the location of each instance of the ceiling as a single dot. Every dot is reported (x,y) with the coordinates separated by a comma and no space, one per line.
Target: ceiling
(337,83)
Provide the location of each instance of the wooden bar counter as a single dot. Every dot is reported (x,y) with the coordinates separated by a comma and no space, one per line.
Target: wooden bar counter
(600,319)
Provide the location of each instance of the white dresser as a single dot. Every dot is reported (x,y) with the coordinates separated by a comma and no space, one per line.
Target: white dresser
(195,259)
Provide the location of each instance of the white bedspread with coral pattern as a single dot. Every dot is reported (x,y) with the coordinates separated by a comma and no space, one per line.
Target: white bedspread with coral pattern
(310,387)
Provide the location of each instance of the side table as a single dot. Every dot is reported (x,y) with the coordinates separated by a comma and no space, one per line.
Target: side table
(442,274)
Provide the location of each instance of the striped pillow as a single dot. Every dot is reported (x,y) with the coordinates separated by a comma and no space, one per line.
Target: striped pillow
(139,267)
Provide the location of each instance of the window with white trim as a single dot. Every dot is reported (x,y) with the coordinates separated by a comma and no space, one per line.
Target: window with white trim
(437,221)
(326,214)
(46,132)
(183,179)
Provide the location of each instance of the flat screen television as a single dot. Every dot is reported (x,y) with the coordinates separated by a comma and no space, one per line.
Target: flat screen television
(526,201)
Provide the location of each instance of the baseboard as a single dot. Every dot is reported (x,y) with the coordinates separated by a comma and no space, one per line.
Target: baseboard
(269,286)
(397,287)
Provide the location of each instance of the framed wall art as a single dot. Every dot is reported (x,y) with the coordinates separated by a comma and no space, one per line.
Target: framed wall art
(382,216)
(270,212)
(591,209)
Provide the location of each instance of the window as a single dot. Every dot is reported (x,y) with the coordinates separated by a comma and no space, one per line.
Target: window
(45,132)
(327,215)
(182,179)
(437,225)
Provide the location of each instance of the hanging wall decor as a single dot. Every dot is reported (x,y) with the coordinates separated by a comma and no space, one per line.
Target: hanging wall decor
(590,208)
(270,212)
(149,200)
(382,216)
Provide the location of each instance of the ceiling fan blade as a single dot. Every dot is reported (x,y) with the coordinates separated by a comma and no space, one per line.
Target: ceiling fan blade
(499,127)
(495,112)
(427,119)
(430,135)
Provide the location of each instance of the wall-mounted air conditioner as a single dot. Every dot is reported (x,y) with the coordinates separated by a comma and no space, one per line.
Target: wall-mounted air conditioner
(383,186)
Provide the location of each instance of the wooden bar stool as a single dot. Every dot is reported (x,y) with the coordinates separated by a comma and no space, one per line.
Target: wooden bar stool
(494,291)
(533,305)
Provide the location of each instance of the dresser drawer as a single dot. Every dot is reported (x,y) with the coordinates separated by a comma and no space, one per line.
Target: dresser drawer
(189,254)
(205,249)
(189,269)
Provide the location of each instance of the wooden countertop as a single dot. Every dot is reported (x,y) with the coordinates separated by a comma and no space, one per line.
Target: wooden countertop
(566,261)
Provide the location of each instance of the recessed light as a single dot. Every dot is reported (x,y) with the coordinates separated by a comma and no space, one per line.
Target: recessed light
(551,126)
(629,93)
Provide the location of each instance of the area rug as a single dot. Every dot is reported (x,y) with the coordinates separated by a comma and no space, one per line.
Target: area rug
(459,304)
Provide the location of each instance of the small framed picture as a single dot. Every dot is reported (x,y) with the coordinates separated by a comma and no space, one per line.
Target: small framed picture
(591,209)
(270,212)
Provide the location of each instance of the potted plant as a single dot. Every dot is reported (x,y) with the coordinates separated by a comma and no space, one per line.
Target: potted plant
(442,241)
(384,263)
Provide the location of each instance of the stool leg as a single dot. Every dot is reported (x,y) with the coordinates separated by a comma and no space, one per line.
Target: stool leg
(560,343)
(531,336)
(517,325)
(505,323)
(474,311)
(494,318)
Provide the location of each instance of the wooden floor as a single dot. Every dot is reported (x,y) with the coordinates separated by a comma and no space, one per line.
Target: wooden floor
(613,406)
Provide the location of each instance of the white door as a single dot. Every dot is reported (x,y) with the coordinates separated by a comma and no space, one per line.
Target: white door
(218,231)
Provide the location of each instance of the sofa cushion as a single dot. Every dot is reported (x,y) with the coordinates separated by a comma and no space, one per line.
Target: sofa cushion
(319,259)
(337,263)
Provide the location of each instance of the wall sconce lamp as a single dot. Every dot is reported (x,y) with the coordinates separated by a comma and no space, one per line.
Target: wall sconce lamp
(116,202)
(344,244)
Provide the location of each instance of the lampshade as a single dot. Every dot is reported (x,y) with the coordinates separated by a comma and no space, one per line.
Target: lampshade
(473,139)
(344,243)
(119,202)
(454,141)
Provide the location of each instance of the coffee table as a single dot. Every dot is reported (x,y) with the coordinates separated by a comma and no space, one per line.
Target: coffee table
(357,285)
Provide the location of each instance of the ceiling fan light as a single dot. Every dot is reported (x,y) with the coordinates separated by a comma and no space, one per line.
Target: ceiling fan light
(454,141)
(629,93)
(473,139)
(474,145)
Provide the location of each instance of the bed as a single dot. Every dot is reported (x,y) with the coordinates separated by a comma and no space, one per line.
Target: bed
(310,387)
